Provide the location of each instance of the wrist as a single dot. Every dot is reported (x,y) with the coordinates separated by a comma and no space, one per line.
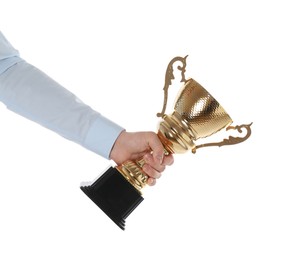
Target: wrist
(118,146)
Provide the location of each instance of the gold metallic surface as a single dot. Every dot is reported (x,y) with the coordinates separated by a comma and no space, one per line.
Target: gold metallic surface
(140,162)
(175,134)
(231,139)
(197,114)
(203,113)
(168,79)
(134,174)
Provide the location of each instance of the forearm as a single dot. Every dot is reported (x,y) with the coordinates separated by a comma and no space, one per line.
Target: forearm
(31,93)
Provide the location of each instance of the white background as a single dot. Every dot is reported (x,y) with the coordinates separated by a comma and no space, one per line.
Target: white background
(233,202)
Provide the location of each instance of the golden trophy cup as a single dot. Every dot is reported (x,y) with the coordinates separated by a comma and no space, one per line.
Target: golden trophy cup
(197,114)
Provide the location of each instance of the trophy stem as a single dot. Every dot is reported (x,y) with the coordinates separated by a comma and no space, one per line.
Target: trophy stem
(175,134)
(133,173)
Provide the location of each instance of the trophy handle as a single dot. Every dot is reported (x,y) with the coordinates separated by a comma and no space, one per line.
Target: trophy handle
(168,79)
(231,139)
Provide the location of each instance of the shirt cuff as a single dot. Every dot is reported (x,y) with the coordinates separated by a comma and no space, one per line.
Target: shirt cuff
(102,136)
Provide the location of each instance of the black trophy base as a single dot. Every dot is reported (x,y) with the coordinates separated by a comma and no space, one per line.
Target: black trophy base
(114,195)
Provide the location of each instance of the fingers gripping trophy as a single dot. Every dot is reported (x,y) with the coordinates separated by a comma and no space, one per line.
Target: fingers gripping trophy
(197,114)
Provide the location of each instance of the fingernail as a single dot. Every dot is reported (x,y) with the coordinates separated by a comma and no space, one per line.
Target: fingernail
(150,181)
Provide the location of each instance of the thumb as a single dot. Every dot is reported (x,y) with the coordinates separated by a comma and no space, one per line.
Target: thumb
(157,147)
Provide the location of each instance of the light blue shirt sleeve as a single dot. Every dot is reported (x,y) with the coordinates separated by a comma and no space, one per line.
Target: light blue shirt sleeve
(29,92)
(8,55)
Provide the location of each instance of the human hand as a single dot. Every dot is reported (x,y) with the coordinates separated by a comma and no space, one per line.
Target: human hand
(146,145)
